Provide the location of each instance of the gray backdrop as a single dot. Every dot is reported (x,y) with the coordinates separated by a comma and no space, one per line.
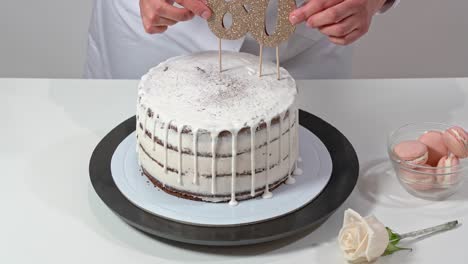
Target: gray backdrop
(419,38)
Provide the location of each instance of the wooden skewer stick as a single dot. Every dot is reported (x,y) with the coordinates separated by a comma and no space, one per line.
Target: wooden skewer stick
(219,55)
(261,61)
(277,64)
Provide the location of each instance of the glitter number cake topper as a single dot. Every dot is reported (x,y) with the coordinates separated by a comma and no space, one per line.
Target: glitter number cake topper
(248,16)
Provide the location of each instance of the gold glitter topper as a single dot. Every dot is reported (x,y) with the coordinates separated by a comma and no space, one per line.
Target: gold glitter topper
(248,16)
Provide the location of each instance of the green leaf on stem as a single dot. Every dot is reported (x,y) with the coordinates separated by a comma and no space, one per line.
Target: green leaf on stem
(391,248)
(393,237)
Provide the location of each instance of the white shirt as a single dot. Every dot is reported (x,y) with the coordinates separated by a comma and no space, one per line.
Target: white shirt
(119,48)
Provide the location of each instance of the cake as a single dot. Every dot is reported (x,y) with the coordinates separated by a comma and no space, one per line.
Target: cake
(204,135)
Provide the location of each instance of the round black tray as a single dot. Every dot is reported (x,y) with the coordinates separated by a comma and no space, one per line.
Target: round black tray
(343,179)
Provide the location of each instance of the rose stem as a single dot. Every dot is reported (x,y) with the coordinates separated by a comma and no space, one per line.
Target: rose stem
(438,228)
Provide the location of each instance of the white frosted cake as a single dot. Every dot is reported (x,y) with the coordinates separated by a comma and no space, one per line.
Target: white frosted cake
(204,134)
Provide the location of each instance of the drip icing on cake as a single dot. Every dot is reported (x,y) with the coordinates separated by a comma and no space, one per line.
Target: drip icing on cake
(145,123)
(233,201)
(179,148)
(280,137)
(154,133)
(137,143)
(297,136)
(190,101)
(195,156)
(297,170)
(290,179)
(252,159)
(166,132)
(267,194)
(214,139)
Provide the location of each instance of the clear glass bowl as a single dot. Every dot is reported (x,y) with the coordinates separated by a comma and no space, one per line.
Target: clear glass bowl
(433,183)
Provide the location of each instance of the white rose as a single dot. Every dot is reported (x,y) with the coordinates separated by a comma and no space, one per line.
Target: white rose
(362,238)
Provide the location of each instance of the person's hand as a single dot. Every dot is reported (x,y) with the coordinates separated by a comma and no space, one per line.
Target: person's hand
(158,15)
(343,21)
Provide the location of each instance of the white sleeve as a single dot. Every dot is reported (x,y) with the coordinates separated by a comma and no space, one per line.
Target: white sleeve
(388,5)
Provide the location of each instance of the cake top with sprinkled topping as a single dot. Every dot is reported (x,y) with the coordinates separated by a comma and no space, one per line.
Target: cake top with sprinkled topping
(190,90)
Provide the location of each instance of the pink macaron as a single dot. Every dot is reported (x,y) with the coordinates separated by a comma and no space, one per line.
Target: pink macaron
(412,152)
(456,140)
(435,145)
(420,179)
(448,170)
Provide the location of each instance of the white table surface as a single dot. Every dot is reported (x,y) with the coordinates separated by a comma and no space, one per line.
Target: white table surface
(51,214)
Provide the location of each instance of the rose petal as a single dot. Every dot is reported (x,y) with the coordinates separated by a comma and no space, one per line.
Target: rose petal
(351,216)
(349,242)
(362,231)
(361,249)
(378,238)
(344,241)
(351,228)
(347,239)
(358,260)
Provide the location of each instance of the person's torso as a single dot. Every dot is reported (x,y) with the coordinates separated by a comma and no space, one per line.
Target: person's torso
(121,37)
